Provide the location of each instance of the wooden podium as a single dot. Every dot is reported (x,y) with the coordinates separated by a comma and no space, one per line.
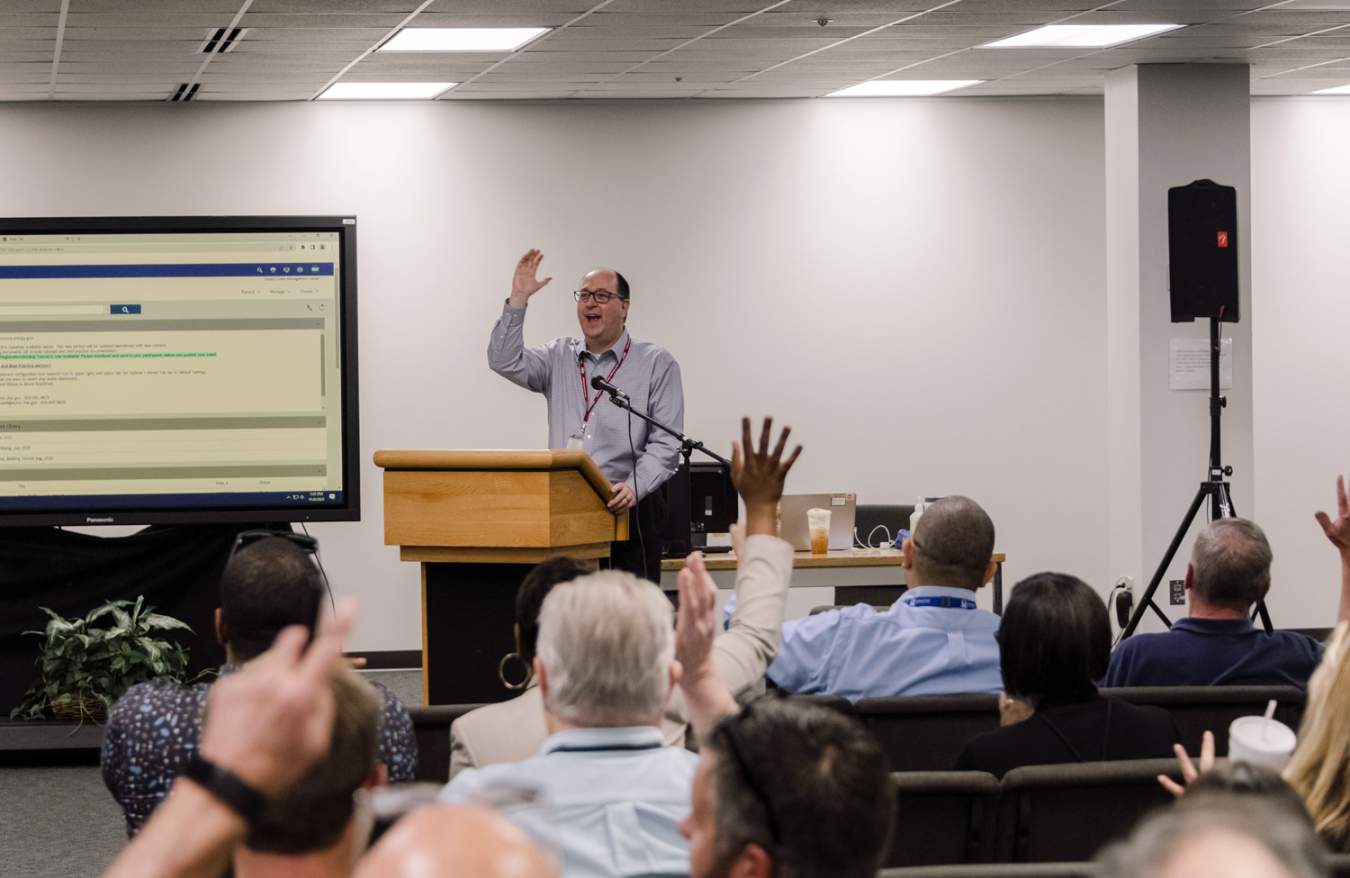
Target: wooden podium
(478,521)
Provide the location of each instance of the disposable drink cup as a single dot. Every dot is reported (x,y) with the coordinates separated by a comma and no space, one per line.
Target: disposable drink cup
(1261,741)
(818,520)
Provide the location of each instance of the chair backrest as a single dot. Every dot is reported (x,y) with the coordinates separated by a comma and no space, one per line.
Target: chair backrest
(926,732)
(1066,813)
(1213,708)
(943,817)
(869,515)
(431,725)
(996,870)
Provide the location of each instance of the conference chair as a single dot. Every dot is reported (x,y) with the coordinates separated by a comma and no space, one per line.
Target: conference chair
(1197,709)
(431,725)
(926,732)
(1066,813)
(943,817)
(995,870)
(868,517)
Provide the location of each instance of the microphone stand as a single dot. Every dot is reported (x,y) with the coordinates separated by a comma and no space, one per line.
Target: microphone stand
(680,492)
(687,446)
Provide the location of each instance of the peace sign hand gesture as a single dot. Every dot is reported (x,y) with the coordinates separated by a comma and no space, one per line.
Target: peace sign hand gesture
(525,283)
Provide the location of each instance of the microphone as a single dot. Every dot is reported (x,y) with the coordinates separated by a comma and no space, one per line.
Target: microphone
(601,384)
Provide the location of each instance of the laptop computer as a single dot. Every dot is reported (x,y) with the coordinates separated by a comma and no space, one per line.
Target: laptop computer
(792,519)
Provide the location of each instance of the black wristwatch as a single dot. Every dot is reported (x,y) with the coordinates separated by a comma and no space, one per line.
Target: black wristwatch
(226,786)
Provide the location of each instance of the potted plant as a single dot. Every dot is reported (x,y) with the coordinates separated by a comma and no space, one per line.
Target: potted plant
(89,663)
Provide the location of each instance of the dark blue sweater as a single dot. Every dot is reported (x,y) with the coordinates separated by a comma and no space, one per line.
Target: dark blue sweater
(1214,652)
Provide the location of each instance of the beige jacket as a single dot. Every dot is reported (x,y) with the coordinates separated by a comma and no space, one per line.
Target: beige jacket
(514,730)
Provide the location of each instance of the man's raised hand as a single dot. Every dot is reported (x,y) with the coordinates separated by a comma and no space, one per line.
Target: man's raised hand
(759,476)
(1338,531)
(525,282)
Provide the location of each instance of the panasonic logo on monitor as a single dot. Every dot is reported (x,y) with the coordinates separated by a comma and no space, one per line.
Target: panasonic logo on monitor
(89,520)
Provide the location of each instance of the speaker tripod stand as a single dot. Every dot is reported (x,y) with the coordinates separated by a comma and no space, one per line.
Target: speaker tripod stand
(1214,488)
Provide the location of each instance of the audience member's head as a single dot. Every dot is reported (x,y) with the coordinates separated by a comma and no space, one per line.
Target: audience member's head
(1320,765)
(953,542)
(1246,779)
(1218,836)
(1230,564)
(314,814)
(447,841)
(267,585)
(1055,637)
(530,597)
(790,789)
(606,651)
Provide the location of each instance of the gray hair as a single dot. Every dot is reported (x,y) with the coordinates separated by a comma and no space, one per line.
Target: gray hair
(1159,837)
(1232,563)
(606,642)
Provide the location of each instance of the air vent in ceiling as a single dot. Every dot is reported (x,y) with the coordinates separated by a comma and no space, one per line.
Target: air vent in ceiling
(227,39)
(185,92)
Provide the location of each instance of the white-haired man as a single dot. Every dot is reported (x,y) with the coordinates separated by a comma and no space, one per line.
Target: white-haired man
(605,664)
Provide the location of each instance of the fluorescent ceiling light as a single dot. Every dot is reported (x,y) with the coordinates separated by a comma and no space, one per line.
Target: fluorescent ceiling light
(1337,90)
(878,88)
(384,91)
(1080,36)
(461,39)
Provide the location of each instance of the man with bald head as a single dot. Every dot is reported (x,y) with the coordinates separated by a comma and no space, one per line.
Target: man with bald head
(467,842)
(635,456)
(931,641)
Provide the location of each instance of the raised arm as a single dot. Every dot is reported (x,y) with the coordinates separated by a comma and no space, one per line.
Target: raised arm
(507,354)
(706,696)
(1338,531)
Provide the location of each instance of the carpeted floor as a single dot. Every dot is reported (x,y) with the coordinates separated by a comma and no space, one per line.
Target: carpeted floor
(57,823)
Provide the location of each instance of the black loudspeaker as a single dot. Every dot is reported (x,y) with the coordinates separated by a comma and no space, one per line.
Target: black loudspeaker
(1202,251)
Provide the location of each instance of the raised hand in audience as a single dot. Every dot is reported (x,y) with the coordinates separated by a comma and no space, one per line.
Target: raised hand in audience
(1012,710)
(759,476)
(706,696)
(1338,531)
(1188,770)
(267,725)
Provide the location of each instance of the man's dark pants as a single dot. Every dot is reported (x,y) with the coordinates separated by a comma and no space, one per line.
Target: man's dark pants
(647,520)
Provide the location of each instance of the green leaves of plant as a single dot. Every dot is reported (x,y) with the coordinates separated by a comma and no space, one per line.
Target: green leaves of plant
(82,659)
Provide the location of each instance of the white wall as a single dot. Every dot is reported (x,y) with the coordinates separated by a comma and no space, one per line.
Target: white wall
(916,286)
(1300,318)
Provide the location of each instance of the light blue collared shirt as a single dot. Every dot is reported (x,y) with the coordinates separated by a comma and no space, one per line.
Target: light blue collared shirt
(859,653)
(649,375)
(613,800)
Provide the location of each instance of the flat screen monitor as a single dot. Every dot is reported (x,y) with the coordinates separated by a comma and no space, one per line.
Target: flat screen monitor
(178,370)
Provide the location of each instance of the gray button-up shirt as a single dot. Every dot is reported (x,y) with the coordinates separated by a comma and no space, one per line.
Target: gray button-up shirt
(649,375)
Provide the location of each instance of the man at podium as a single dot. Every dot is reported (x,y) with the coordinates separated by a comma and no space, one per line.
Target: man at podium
(635,456)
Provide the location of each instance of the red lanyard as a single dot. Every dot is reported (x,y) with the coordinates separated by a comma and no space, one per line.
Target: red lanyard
(586,388)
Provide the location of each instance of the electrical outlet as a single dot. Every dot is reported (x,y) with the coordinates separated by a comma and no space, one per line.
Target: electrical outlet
(1178,592)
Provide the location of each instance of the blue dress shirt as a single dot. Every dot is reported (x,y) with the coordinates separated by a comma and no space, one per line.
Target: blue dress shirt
(1214,652)
(917,647)
(612,799)
(649,375)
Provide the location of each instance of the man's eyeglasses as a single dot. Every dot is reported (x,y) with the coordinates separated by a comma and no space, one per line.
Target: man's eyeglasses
(601,296)
(736,747)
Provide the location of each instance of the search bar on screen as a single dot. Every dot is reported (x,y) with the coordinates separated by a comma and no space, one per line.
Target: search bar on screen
(50,310)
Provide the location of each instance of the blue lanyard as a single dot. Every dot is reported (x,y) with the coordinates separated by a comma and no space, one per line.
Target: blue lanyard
(944,602)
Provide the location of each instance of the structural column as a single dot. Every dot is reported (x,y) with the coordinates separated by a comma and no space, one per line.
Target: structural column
(1168,125)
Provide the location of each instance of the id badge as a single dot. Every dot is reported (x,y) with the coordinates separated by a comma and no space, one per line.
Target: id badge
(575,440)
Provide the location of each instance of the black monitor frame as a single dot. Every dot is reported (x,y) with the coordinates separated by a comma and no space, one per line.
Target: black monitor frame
(350,510)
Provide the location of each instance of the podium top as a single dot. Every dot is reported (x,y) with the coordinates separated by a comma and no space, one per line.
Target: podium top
(497,459)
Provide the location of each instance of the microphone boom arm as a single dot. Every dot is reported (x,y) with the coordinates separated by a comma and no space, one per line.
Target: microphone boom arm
(687,445)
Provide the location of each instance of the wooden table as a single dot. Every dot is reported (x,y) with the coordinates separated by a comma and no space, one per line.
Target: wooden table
(846,568)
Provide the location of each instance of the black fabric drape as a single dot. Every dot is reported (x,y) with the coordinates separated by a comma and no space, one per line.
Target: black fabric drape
(176,567)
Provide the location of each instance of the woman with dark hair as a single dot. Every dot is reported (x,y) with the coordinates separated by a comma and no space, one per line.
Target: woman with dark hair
(1054,641)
